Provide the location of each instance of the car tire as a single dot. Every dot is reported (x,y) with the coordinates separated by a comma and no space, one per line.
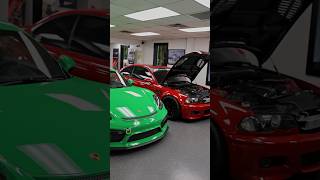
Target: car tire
(172,107)
(219,154)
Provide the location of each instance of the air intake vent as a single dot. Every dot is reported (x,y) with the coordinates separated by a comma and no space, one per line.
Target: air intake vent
(178,25)
(128,32)
(202,16)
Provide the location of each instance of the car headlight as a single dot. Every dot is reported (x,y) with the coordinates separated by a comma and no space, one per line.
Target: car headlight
(158,101)
(192,100)
(268,123)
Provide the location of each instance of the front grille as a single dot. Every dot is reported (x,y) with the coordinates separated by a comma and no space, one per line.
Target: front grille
(93,177)
(144,135)
(117,136)
(309,159)
(164,121)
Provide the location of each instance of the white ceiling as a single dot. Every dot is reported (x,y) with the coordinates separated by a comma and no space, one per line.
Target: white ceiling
(186,8)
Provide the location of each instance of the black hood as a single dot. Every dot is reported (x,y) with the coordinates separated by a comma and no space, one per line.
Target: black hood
(258,25)
(189,65)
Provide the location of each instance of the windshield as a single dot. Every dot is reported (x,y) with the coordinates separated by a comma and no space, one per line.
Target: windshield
(117,81)
(223,56)
(160,74)
(21,59)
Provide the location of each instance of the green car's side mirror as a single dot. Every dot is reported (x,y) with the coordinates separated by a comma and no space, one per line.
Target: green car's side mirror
(66,62)
(130,82)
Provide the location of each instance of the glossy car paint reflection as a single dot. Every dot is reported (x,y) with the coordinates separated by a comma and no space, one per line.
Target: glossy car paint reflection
(138,116)
(51,124)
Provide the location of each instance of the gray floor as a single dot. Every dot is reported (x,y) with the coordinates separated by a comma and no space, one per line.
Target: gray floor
(184,154)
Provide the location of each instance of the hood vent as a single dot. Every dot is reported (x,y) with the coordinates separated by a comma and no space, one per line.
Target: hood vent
(202,16)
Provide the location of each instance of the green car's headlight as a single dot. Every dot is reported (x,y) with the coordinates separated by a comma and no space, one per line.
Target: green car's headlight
(267,123)
(192,100)
(158,101)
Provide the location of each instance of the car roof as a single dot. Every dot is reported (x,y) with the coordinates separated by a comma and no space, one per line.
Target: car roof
(8,27)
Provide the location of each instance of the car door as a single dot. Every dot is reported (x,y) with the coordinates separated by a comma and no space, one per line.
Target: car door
(89,45)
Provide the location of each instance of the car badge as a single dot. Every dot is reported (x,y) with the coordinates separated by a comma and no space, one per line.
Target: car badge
(128,131)
(95,156)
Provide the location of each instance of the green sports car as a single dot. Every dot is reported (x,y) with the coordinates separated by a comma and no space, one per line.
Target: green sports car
(52,126)
(138,117)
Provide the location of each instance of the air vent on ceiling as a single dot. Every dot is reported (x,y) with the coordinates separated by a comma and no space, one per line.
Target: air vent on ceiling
(202,16)
(128,32)
(178,25)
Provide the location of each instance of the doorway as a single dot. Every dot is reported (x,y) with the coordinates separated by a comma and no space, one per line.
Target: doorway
(160,54)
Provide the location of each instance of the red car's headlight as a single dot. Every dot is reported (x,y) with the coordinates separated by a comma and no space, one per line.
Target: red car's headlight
(268,123)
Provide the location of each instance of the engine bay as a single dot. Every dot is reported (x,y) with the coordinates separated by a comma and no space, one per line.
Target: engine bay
(266,92)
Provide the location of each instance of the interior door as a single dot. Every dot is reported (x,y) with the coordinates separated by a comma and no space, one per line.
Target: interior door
(160,54)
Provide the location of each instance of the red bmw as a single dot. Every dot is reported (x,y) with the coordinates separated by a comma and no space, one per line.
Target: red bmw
(182,98)
(265,125)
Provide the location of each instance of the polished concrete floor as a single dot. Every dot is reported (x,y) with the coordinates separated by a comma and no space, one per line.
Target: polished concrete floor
(184,154)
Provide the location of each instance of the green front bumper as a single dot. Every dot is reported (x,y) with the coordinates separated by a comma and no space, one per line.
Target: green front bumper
(142,131)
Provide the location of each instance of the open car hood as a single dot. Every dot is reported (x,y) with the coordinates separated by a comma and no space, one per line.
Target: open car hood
(189,65)
(257,25)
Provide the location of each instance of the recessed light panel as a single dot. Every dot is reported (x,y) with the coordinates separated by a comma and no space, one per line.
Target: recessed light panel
(145,34)
(199,29)
(204,2)
(151,14)
(112,25)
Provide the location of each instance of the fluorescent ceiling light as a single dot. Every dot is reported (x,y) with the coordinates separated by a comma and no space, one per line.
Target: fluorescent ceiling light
(145,34)
(199,29)
(112,26)
(151,14)
(204,2)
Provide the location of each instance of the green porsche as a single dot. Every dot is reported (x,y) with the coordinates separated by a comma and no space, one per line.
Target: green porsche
(137,116)
(52,126)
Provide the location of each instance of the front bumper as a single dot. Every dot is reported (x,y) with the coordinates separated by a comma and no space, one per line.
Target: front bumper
(273,157)
(144,133)
(192,112)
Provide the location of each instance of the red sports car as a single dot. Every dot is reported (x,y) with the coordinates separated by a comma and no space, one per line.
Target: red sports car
(80,34)
(265,125)
(174,86)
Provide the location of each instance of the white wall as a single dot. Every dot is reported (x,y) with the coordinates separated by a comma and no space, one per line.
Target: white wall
(291,55)
(189,44)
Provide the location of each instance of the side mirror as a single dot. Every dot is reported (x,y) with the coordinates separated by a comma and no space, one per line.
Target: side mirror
(66,62)
(130,82)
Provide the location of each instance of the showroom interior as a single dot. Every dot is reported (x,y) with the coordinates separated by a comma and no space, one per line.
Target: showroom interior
(184,153)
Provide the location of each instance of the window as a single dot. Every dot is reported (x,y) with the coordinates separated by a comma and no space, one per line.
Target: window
(127,71)
(141,73)
(56,32)
(91,37)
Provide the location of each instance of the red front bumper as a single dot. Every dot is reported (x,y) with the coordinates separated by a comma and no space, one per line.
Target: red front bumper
(264,158)
(195,111)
